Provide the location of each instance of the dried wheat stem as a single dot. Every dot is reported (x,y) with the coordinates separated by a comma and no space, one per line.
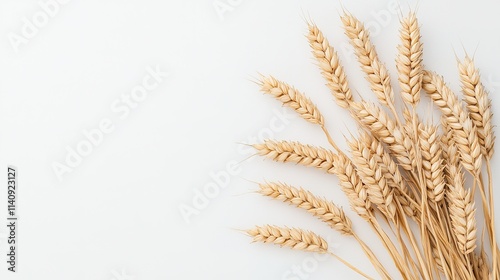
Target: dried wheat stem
(465,133)
(294,238)
(492,227)
(478,104)
(286,151)
(323,209)
(352,267)
(409,60)
(329,64)
(391,249)
(373,259)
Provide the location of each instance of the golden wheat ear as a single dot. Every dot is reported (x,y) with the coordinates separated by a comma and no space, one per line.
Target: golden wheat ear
(381,125)
(376,72)
(307,155)
(464,130)
(462,212)
(294,238)
(325,210)
(409,60)
(292,98)
(331,69)
(432,161)
(478,104)
(377,187)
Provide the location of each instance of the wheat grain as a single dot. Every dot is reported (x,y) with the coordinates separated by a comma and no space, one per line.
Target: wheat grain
(340,165)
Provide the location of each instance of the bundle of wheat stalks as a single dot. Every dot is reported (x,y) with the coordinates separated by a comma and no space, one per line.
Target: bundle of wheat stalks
(404,177)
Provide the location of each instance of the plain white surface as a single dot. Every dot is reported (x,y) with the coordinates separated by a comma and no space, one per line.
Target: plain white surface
(116,215)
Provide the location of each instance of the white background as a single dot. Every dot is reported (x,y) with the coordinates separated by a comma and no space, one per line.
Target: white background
(116,215)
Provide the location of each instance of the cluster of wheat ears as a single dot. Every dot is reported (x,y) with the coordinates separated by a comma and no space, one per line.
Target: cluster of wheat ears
(405,177)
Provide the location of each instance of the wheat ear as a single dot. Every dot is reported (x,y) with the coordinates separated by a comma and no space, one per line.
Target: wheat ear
(286,151)
(292,98)
(391,172)
(379,192)
(353,187)
(462,211)
(465,133)
(478,104)
(385,129)
(377,74)
(409,60)
(432,162)
(297,239)
(294,238)
(329,64)
(323,209)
